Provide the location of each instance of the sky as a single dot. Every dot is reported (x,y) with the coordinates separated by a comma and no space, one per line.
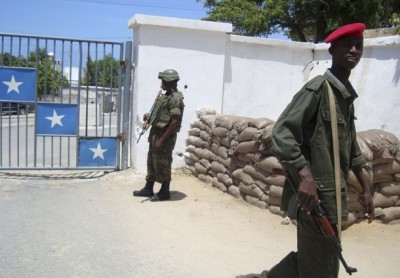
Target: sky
(105,20)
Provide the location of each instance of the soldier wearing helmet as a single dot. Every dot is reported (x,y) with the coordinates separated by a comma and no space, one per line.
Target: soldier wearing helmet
(165,121)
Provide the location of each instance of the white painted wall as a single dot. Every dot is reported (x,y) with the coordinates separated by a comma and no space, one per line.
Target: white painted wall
(248,76)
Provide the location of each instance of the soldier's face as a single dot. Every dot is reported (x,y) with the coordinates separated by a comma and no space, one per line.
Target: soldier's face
(167,85)
(347,52)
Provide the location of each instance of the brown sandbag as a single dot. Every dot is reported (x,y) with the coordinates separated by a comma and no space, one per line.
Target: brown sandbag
(192,169)
(247,147)
(190,158)
(248,134)
(252,190)
(275,180)
(220,132)
(256,172)
(389,188)
(276,210)
(242,176)
(269,163)
(208,120)
(205,153)
(195,131)
(205,111)
(274,201)
(266,136)
(200,168)
(205,136)
(275,191)
(206,163)
(196,141)
(260,123)
(374,142)
(218,167)
(384,201)
(256,202)
(220,150)
(205,178)
(366,152)
(234,191)
(229,163)
(390,214)
(225,179)
(219,185)
(386,169)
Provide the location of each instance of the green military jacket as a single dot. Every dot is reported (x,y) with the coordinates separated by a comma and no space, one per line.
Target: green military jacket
(165,107)
(302,136)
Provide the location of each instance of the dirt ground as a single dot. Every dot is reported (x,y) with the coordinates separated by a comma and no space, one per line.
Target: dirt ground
(92,226)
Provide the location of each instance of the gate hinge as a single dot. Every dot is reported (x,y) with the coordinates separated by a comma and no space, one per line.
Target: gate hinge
(121,137)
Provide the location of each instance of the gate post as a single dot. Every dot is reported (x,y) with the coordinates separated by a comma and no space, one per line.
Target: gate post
(125,105)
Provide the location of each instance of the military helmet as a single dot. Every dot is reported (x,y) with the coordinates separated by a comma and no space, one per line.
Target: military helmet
(168,75)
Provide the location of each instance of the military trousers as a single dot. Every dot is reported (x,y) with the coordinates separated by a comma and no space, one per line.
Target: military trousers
(315,257)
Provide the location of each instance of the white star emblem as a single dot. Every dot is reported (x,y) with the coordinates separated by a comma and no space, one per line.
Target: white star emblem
(98,152)
(12,85)
(55,119)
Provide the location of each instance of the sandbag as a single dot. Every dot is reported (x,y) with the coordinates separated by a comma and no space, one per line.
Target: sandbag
(252,190)
(256,172)
(390,214)
(256,202)
(234,191)
(205,111)
(389,188)
(384,201)
(247,147)
(243,177)
(248,134)
(219,185)
(268,163)
(219,150)
(218,167)
(205,178)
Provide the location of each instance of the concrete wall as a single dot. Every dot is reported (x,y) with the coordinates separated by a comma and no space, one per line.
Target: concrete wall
(247,76)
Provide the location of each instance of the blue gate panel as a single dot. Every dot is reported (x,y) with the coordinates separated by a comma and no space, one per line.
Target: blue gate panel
(56,119)
(17,84)
(97,151)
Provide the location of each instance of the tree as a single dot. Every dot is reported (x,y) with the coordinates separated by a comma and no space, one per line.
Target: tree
(300,20)
(49,79)
(103,73)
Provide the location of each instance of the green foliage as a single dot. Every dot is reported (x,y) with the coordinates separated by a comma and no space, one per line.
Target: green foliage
(49,78)
(102,73)
(300,20)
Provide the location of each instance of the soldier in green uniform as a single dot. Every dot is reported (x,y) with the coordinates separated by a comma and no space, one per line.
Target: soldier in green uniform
(165,121)
(302,141)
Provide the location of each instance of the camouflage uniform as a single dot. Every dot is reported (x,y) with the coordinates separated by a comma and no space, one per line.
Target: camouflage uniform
(159,161)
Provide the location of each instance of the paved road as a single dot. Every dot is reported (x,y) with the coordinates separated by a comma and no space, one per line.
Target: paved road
(87,224)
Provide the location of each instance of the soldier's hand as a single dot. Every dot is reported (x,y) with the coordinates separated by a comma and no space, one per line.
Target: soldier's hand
(146,117)
(307,195)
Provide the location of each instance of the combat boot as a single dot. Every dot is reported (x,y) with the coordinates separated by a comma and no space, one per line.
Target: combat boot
(146,191)
(163,194)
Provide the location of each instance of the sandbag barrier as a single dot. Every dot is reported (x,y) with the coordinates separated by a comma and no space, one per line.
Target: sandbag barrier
(233,154)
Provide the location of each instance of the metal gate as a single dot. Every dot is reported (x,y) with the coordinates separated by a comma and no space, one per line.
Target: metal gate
(64,103)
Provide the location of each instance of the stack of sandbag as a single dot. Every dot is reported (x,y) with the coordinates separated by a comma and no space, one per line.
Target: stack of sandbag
(382,151)
(234,155)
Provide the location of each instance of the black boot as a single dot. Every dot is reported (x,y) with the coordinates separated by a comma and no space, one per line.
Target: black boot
(146,191)
(163,194)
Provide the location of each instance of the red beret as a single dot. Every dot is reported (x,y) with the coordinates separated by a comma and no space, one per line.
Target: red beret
(350,30)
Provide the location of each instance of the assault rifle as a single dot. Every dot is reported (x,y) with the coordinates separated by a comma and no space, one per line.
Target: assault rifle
(146,122)
(318,216)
